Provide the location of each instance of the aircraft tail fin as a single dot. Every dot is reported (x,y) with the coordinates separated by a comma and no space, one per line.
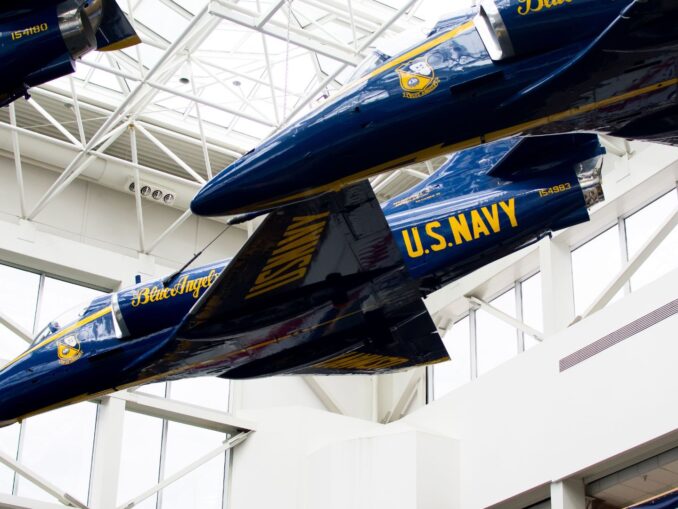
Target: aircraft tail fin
(321,287)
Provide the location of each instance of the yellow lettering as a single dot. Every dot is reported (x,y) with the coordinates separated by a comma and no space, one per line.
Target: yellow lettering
(537,5)
(442,243)
(478,225)
(510,210)
(292,254)
(141,297)
(414,253)
(272,285)
(492,218)
(460,229)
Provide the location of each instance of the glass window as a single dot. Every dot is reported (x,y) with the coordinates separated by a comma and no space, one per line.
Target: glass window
(58,446)
(532,307)
(639,227)
(9,441)
(204,486)
(18,298)
(594,265)
(457,371)
(210,392)
(497,341)
(140,458)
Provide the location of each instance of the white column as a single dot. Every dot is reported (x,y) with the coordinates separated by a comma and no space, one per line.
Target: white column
(107,450)
(568,494)
(556,285)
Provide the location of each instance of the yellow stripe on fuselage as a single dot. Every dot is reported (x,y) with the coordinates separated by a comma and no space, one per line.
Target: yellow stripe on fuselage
(415,52)
(61,333)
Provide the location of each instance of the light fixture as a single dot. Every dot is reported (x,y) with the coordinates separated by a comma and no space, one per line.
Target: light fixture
(184,80)
(152,191)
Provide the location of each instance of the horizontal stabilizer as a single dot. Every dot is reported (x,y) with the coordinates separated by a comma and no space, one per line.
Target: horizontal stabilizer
(321,287)
(535,155)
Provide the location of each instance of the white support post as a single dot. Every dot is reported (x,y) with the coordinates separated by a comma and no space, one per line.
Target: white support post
(324,396)
(228,444)
(107,452)
(568,494)
(624,275)
(40,482)
(201,126)
(506,318)
(557,286)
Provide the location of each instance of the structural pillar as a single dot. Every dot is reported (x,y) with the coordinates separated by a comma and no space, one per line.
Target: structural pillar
(107,450)
(556,285)
(568,494)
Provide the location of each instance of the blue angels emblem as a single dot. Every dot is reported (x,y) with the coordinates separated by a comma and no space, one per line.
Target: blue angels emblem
(68,350)
(417,79)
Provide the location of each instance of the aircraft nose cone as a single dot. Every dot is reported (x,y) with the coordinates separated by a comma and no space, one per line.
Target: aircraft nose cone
(208,203)
(230,192)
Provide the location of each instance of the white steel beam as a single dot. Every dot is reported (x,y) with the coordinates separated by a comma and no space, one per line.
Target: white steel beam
(270,13)
(633,265)
(137,188)
(299,37)
(406,397)
(54,122)
(15,328)
(76,110)
(17,161)
(176,224)
(40,482)
(538,335)
(74,169)
(184,413)
(171,154)
(13,502)
(323,395)
(226,445)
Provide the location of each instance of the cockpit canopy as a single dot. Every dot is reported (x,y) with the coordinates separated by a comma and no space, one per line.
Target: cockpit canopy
(387,49)
(73,315)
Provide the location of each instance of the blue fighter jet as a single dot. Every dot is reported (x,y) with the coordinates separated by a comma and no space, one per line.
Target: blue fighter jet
(330,285)
(507,67)
(41,39)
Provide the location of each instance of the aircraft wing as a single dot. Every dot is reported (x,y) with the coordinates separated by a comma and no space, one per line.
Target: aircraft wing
(320,288)
(643,28)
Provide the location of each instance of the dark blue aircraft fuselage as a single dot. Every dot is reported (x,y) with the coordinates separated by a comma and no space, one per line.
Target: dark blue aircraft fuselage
(459,219)
(448,94)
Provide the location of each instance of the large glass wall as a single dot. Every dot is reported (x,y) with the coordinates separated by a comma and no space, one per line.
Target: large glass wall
(479,341)
(58,445)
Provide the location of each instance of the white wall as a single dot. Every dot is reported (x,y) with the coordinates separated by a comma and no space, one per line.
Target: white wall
(89,232)
(515,429)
